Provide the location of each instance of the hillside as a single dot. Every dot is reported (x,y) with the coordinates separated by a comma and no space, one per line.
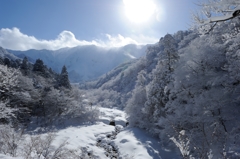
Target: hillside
(184,91)
(5,54)
(114,88)
(84,62)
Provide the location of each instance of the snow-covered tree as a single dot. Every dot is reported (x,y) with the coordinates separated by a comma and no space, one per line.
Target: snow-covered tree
(170,53)
(40,68)
(63,78)
(9,140)
(77,108)
(152,56)
(135,105)
(25,67)
(8,80)
(202,113)
(51,105)
(6,113)
(159,89)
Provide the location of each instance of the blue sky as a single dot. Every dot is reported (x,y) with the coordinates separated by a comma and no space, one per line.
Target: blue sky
(52,24)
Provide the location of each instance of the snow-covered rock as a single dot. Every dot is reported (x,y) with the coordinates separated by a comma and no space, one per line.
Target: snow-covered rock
(115,115)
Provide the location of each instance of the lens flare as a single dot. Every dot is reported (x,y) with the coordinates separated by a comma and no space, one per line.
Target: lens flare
(139,11)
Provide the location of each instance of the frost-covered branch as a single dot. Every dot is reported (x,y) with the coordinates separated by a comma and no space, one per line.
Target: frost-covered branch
(222,18)
(8,80)
(215,11)
(6,112)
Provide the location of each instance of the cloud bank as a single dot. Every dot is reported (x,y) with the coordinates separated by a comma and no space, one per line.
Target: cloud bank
(14,39)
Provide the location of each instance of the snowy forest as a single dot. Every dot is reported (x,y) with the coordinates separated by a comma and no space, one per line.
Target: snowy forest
(184,93)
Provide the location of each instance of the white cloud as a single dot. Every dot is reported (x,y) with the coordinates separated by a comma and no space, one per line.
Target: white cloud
(119,40)
(15,40)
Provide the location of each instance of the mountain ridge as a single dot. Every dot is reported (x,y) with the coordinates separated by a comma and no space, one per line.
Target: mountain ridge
(85,62)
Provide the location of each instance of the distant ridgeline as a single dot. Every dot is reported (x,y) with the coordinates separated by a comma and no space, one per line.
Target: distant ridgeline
(84,62)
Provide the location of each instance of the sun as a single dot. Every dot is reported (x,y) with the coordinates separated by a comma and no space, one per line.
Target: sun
(139,11)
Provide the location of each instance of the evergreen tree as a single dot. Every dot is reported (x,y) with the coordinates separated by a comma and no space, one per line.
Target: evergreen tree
(63,78)
(40,69)
(38,66)
(16,63)
(7,62)
(24,66)
(1,61)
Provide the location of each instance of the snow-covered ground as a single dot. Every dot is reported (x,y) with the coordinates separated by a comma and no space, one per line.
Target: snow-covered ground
(136,144)
(8,157)
(101,140)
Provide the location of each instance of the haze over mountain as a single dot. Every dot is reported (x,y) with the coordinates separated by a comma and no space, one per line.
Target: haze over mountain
(84,62)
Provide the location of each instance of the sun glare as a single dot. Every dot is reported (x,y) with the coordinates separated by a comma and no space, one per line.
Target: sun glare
(139,11)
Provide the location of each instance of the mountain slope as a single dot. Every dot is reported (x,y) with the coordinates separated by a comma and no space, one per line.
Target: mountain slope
(6,54)
(184,91)
(85,62)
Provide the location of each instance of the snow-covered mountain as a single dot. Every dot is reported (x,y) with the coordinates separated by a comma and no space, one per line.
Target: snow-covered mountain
(84,62)
(6,54)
